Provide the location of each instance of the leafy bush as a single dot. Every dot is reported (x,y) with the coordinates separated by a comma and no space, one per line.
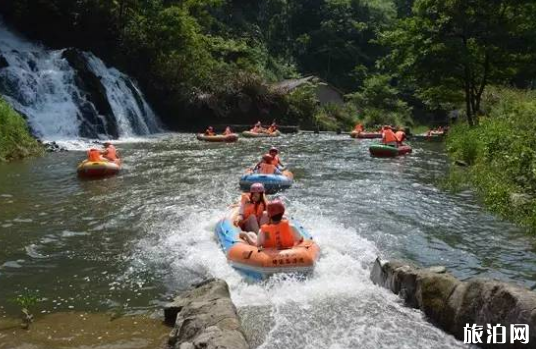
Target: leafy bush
(15,139)
(303,104)
(502,152)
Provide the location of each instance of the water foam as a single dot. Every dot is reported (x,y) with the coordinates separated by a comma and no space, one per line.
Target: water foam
(336,307)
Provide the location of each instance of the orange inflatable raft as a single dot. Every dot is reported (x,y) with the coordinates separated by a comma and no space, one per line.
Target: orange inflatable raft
(96,166)
(261,263)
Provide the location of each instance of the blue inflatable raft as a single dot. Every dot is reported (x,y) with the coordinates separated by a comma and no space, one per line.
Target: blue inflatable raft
(272,183)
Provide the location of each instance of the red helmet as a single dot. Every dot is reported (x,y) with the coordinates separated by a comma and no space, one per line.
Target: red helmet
(275,207)
(268,158)
(256,188)
(274,149)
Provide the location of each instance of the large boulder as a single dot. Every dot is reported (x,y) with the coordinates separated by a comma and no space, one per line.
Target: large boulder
(452,304)
(205,317)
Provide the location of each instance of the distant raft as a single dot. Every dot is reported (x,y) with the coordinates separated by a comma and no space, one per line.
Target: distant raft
(429,137)
(249,134)
(95,169)
(272,182)
(365,135)
(388,151)
(258,263)
(233,137)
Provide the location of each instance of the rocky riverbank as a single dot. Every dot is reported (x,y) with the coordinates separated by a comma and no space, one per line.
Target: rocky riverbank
(451,303)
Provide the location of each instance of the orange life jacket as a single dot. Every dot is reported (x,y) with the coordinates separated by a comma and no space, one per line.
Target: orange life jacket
(265,168)
(359,128)
(401,135)
(252,208)
(389,136)
(209,133)
(94,155)
(110,153)
(278,235)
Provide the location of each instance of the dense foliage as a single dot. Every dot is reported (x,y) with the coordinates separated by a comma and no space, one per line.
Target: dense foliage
(501,153)
(15,139)
(185,53)
(204,56)
(449,51)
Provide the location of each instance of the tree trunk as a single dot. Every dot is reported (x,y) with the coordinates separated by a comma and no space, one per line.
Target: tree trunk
(468,94)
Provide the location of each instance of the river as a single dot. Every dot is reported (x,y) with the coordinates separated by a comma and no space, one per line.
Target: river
(130,242)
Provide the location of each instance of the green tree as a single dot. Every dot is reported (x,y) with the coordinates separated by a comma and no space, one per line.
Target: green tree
(453,48)
(379,102)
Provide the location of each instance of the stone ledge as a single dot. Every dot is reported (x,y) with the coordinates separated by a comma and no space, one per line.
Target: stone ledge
(205,317)
(451,304)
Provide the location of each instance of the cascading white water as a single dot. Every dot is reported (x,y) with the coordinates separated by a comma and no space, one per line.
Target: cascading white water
(41,84)
(133,115)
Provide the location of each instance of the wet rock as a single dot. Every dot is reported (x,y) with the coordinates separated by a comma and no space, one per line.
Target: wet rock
(205,317)
(53,147)
(3,62)
(433,292)
(94,92)
(452,304)
(461,163)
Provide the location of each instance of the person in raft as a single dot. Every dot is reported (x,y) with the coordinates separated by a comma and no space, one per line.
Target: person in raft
(277,233)
(359,128)
(276,161)
(94,155)
(400,135)
(389,137)
(257,128)
(227,131)
(210,131)
(266,166)
(272,128)
(252,212)
(109,153)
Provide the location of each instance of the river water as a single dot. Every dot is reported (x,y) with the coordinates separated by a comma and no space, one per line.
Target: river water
(129,242)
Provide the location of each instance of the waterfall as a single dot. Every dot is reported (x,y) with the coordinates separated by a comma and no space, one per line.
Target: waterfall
(69,94)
